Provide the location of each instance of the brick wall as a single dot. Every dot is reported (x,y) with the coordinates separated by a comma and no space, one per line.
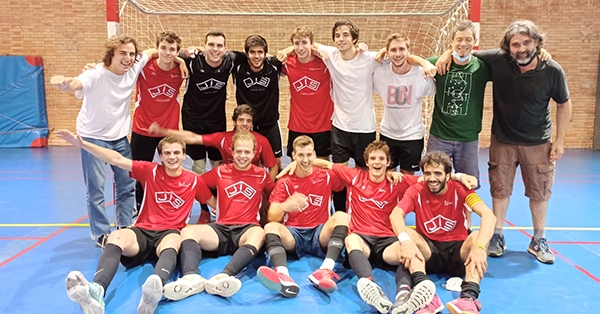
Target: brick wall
(67,34)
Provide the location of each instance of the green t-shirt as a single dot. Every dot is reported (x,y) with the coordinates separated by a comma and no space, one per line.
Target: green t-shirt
(458,106)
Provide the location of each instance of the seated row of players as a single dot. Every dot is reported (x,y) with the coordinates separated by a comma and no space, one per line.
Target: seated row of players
(376,226)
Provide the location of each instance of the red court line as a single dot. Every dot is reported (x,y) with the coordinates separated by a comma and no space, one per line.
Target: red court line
(579,268)
(575,242)
(19,238)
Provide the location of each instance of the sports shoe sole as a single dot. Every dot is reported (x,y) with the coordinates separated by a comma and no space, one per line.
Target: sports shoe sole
(182,288)
(225,287)
(329,286)
(421,295)
(454,310)
(151,294)
(366,288)
(79,292)
(534,253)
(268,277)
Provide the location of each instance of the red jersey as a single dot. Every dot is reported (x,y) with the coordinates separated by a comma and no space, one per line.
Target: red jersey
(311,106)
(156,98)
(317,187)
(370,204)
(239,193)
(223,141)
(167,200)
(438,217)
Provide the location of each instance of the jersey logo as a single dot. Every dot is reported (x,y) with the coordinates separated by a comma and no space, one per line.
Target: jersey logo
(240,188)
(379,204)
(210,84)
(163,89)
(399,95)
(169,197)
(439,222)
(261,81)
(306,82)
(315,200)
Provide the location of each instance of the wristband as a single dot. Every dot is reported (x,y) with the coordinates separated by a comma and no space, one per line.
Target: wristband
(481,246)
(403,237)
(458,175)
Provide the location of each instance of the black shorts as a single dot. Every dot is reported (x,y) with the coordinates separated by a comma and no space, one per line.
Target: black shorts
(407,154)
(197,152)
(143,147)
(445,258)
(273,134)
(346,145)
(229,236)
(148,241)
(322,142)
(377,245)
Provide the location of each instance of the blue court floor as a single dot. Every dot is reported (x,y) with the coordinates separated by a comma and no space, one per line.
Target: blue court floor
(44,235)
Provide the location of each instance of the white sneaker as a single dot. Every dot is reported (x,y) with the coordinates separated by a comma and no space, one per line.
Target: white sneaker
(151,294)
(372,294)
(89,296)
(184,287)
(223,285)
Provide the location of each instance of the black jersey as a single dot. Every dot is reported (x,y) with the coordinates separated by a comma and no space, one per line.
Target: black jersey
(259,90)
(206,90)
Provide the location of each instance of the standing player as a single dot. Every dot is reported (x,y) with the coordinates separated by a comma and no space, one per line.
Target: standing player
(402,86)
(157,99)
(257,85)
(441,235)
(155,235)
(223,141)
(301,223)
(236,231)
(311,106)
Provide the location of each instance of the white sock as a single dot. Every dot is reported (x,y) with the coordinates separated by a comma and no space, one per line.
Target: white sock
(283,270)
(328,263)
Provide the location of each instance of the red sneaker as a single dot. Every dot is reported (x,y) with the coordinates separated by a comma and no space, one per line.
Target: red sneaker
(323,278)
(464,306)
(281,282)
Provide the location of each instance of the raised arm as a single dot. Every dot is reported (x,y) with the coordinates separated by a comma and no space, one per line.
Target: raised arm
(110,156)
(187,136)
(66,84)
(429,70)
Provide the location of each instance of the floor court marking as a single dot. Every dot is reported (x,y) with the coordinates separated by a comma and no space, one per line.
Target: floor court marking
(581,269)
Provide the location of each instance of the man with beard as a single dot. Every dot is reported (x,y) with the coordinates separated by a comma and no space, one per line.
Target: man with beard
(402,86)
(522,129)
(236,232)
(441,237)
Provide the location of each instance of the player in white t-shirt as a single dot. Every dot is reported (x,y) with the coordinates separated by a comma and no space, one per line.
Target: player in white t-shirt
(402,86)
(105,120)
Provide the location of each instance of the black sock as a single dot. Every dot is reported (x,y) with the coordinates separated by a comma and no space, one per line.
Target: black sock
(241,258)
(403,279)
(275,250)
(360,264)
(166,264)
(107,265)
(418,277)
(336,242)
(470,290)
(339,200)
(190,255)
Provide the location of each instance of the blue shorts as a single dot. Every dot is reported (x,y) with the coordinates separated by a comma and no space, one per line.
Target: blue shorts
(307,241)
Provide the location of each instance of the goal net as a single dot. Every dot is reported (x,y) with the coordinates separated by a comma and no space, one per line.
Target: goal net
(427,24)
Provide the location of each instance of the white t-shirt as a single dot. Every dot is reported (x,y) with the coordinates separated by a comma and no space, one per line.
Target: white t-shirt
(352,91)
(105,113)
(402,98)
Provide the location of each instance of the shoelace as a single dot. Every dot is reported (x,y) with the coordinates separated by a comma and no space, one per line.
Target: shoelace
(333,274)
(544,246)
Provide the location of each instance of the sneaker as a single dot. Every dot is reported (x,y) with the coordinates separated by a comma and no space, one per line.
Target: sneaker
(204,217)
(323,278)
(184,287)
(372,294)
(541,251)
(497,245)
(152,291)
(89,296)
(400,306)
(464,306)
(434,307)
(101,240)
(420,296)
(223,285)
(281,282)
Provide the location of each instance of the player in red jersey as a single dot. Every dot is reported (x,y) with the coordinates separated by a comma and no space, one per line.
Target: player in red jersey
(236,231)
(441,235)
(301,223)
(170,192)
(243,116)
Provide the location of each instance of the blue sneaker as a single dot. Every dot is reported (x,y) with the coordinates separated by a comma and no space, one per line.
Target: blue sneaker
(497,245)
(89,296)
(541,251)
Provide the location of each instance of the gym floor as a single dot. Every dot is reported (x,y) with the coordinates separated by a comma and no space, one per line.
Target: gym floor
(44,235)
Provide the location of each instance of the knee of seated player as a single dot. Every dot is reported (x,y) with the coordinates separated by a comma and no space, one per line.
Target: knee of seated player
(419,242)
(274,228)
(254,236)
(353,242)
(123,238)
(340,218)
(465,248)
(172,240)
(195,232)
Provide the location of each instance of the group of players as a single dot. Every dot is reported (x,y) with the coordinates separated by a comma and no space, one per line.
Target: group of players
(325,82)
